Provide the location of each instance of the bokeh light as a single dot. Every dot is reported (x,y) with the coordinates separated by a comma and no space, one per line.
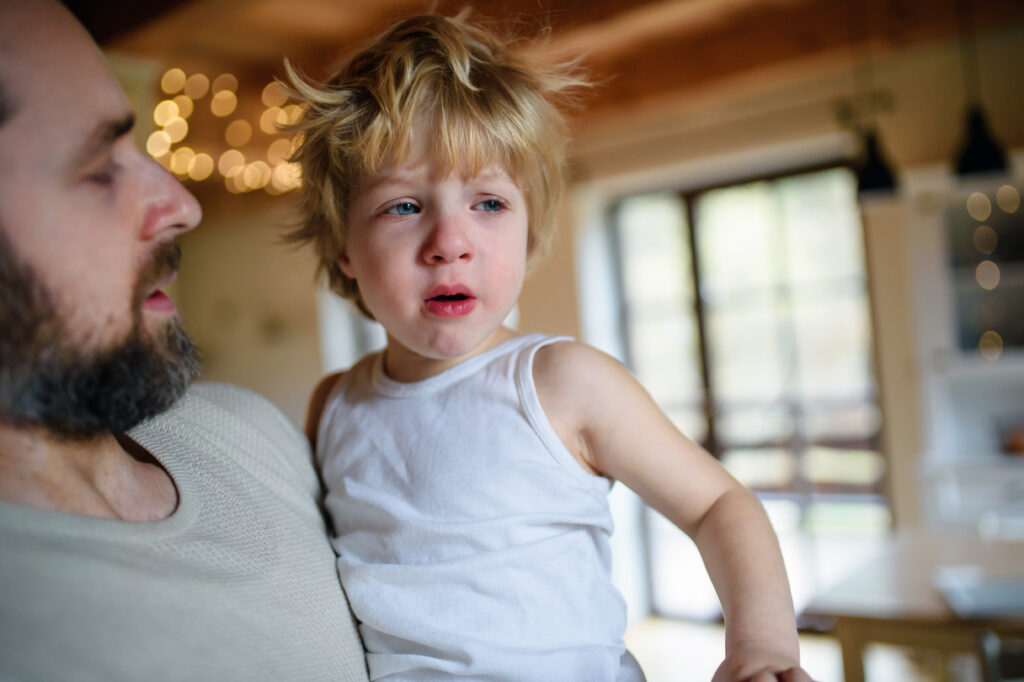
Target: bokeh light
(273,95)
(234,180)
(278,151)
(225,81)
(185,105)
(177,129)
(180,160)
(987,274)
(197,86)
(165,111)
(1008,199)
(286,176)
(985,239)
(230,161)
(172,81)
(201,166)
(271,118)
(223,103)
(158,143)
(238,133)
(257,174)
(293,112)
(990,346)
(979,207)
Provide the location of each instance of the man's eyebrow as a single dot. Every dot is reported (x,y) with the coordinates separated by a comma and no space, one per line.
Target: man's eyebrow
(103,136)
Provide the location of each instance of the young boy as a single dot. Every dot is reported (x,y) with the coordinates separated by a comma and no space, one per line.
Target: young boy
(467,467)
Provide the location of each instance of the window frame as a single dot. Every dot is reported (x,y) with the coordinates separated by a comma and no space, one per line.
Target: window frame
(800,488)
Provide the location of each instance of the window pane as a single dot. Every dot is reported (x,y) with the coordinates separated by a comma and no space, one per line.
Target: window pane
(745,353)
(762,467)
(680,585)
(822,243)
(737,240)
(663,349)
(857,421)
(860,517)
(757,424)
(833,345)
(657,274)
(847,467)
(655,249)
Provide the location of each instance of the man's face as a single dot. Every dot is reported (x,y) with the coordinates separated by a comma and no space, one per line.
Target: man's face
(89,343)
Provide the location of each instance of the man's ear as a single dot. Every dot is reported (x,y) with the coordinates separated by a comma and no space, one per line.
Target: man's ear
(345,264)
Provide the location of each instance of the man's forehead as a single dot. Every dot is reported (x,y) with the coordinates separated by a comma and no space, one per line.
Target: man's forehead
(51,71)
(44,50)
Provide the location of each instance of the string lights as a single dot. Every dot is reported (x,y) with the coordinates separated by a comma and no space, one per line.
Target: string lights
(245,154)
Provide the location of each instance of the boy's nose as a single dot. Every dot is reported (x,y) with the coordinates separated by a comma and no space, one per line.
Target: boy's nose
(447,243)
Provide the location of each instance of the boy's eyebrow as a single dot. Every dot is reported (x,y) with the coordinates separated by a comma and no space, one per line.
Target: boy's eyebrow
(401,177)
(103,136)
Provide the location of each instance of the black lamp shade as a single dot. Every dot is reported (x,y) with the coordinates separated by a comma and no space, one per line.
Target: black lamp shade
(981,154)
(874,175)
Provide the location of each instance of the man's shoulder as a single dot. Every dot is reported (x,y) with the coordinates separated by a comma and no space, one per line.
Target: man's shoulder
(231,398)
(236,416)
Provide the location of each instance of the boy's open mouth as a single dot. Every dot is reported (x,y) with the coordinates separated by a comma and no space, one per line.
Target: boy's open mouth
(449,297)
(450,301)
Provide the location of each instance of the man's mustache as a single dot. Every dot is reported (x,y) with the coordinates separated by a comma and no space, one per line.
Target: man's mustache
(165,262)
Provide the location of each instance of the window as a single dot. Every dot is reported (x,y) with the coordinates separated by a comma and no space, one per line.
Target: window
(745,313)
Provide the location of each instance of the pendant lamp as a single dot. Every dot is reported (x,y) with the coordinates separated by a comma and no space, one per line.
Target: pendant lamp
(980,154)
(874,175)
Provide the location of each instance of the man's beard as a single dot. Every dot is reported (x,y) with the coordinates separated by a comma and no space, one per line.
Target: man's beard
(48,381)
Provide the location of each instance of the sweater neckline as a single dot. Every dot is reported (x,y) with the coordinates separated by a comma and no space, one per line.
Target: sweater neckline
(57,523)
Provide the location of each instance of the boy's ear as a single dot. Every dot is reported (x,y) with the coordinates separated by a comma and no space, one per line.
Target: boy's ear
(345,264)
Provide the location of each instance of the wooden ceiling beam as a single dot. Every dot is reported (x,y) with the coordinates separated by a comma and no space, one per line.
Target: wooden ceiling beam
(770,33)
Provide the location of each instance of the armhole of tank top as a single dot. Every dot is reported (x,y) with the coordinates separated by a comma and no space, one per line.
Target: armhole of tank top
(326,413)
(538,419)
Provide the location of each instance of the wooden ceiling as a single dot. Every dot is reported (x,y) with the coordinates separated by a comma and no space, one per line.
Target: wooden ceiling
(642,51)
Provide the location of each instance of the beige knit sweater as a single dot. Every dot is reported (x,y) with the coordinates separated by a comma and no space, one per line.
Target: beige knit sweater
(238,584)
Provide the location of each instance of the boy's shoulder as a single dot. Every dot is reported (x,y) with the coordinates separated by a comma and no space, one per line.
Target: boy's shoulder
(571,360)
(578,376)
(317,401)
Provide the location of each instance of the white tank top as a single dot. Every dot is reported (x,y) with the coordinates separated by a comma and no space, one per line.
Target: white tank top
(471,543)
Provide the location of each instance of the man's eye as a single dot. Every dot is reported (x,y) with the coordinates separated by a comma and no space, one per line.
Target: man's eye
(106,175)
(404,208)
(490,205)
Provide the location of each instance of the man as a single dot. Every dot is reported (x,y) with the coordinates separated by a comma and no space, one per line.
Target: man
(148,530)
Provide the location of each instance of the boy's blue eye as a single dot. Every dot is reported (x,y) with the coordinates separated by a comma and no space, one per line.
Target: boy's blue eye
(404,208)
(490,205)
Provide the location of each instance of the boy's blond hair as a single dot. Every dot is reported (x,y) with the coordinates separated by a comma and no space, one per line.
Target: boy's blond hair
(481,99)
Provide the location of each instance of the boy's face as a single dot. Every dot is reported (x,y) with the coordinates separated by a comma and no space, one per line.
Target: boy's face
(439,261)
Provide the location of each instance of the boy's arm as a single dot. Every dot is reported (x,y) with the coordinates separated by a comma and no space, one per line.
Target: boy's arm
(316,406)
(613,427)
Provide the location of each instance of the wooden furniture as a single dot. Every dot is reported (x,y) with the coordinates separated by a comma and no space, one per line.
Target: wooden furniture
(892,599)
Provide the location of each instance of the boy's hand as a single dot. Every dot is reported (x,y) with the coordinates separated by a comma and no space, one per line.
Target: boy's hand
(753,663)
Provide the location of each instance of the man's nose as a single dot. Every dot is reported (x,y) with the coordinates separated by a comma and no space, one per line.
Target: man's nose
(448,241)
(169,205)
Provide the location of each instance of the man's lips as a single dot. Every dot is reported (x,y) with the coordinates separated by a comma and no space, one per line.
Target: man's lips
(450,301)
(157,300)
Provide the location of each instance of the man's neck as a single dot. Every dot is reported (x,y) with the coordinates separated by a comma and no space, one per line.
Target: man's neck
(98,477)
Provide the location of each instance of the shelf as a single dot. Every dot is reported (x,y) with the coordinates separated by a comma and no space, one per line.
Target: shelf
(1009,367)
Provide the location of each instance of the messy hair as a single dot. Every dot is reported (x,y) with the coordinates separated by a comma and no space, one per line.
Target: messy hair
(483,99)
